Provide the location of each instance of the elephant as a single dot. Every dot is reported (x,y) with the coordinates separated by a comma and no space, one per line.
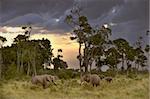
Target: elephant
(55,78)
(93,79)
(44,80)
(108,79)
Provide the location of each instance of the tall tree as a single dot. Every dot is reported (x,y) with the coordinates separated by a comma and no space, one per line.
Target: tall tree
(2,40)
(112,57)
(85,35)
(82,30)
(121,45)
(58,62)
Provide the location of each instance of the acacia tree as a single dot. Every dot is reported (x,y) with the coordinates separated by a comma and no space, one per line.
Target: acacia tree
(130,57)
(99,40)
(147,49)
(140,58)
(122,46)
(86,36)
(25,47)
(81,31)
(2,40)
(20,41)
(112,57)
(58,62)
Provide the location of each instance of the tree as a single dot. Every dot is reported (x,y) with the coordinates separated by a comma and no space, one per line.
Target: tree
(85,35)
(130,57)
(122,47)
(112,57)
(19,40)
(2,40)
(28,51)
(140,58)
(58,62)
(99,40)
(147,48)
(82,30)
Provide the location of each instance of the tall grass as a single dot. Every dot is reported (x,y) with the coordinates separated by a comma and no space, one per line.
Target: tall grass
(122,87)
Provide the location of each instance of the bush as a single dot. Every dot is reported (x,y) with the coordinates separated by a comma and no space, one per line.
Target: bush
(66,74)
(11,72)
(104,74)
(62,73)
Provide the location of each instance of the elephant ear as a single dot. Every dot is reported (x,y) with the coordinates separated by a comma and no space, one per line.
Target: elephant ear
(87,78)
(56,77)
(48,78)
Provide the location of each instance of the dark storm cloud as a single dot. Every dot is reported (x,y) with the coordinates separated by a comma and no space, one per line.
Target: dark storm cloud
(129,16)
(15,8)
(96,8)
(132,19)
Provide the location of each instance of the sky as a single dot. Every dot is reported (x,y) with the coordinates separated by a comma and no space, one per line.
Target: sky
(128,19)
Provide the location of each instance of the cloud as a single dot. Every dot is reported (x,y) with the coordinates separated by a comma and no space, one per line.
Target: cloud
(125,14)
(97,8)
(131,10)
(17,8)
(24,20)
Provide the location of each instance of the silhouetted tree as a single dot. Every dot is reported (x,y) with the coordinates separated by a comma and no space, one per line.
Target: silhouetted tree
(2,40)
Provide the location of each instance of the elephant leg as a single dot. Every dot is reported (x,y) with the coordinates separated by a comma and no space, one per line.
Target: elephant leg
(93,85)
(44,87)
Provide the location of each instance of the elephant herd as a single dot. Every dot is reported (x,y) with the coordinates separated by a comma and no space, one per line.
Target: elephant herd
(46,79)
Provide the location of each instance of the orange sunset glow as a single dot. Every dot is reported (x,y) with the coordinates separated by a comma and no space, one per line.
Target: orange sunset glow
(70,48)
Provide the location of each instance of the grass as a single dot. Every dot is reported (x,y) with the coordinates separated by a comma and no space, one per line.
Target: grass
(122,87)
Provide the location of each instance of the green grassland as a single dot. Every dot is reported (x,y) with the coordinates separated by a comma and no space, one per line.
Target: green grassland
(122,87)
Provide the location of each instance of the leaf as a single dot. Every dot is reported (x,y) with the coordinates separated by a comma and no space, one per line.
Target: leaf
(69,19)
(2,39)
(73,38)
(26,32)
(59,50)
(24,27)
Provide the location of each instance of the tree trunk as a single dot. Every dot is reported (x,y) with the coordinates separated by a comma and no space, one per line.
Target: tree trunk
(28,70)
(86,58)
(90,67)
(21,67)
(1,63)
(34,63)
(128,68)
(122,68)
(80,59)
(18,61)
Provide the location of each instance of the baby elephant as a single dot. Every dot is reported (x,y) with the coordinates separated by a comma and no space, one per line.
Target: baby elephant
(94,79)
(108,79)
(44,80)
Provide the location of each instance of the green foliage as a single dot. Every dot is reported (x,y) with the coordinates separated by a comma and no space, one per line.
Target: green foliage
(20,38)
(3,39)
(147,48)
(58,63)
(61,73)
(87,35)
(112,57)
(24,54)
(67,74)
(11,72)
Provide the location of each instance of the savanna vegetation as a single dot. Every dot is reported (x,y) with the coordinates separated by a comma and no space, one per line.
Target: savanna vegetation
(128,65)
